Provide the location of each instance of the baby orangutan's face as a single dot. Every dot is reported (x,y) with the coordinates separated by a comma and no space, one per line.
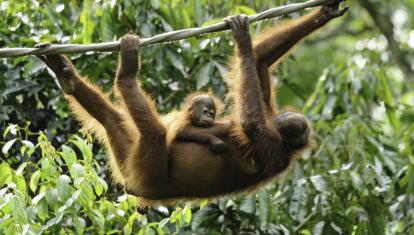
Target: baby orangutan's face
(202,111)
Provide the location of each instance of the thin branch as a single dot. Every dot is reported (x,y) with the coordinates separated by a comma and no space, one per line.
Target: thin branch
(164,37)
(304,222)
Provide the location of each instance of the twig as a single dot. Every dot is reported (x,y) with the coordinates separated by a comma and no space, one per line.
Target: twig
(164,37)
(304,222)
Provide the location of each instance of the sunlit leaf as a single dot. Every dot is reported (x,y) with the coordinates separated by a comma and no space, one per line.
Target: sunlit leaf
(7,146)
(68,155)
(5,174)
(34,180)
(187,212)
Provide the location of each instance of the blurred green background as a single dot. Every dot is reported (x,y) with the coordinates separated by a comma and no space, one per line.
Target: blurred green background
(353,79)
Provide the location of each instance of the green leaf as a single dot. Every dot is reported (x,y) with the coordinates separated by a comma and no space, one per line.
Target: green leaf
(128,229)
(7,146)
(98,218)
(18,211)
(68,155)
(198,11)
(34,180)
(63,187)
(247,205)
(84,148)
(203,203)
(30,146)
(389,104)
(51,196)
(5,174)
(6,221)
(204,216)
(211,22)
(297,206)
(319,183)
(130,223)
(223,70)
(187,212)
(103,183)
(10,128)
(55,220)
(77,171)
(375,209)
(42,209)
(79,223)
(176,61)
(203,75)
(98,189)
(163,222)
(155,4)
(21,168)
(264,205)
(245,10)
(88,25)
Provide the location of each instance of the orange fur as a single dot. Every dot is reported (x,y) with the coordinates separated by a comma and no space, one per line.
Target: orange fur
(143,156)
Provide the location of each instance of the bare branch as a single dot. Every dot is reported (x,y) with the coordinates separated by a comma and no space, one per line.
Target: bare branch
(164,37)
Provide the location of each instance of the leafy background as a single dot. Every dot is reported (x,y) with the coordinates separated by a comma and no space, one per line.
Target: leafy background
(354,80)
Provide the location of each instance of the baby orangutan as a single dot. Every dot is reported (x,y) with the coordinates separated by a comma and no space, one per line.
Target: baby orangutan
(199,123)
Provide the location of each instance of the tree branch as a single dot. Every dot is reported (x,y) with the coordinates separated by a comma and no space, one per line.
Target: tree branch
(386,27)
(164,37)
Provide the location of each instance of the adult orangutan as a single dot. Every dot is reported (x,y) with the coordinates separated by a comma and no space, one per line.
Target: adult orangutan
(261,142)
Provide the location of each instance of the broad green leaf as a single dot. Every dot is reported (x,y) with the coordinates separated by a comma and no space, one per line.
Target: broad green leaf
(5,174)
(68,155)
(247,205)
(6,221)
(7,146)
(63,187)
(84,148)
(34,180)
(79,223)
(319,183)
(176,61)
(98,218)
(223,70)
(30,147)
(264,206)
(18,211)
(55,220)
(37,198)
(51,196)
(42,209)
(77,171)
(128,229)
(203,75)
(297,206)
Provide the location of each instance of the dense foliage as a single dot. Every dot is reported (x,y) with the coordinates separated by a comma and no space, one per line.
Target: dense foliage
(348,79)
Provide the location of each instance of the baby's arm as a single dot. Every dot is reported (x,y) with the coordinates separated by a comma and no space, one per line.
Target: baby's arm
(206,135)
